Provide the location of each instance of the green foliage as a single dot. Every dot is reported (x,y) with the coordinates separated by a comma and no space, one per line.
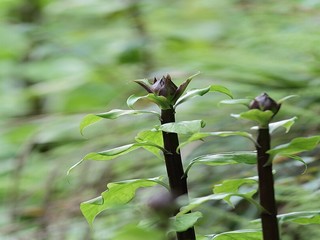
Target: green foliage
(239,235)
(116,195)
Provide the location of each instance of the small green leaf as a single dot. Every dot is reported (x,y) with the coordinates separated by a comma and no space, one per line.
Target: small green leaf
(191,94)
(114,153)
(183,222)
(287,124)
(118,194)
(247,157)
(113,114)
(221,89)
(233,186)
(184,127)
(297,145)
(202,135)
(303,218)
(286,98)
(261,117)
(161,101)
(247,234)
(245,102)
(87,121)
(154,137)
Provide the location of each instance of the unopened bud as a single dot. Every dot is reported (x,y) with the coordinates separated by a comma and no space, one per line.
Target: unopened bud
(264,103)
(164,87)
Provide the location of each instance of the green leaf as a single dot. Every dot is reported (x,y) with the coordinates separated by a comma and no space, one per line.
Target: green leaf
(154,137)
(113,114)
(88,120)
(247,157)
(245,102)
(191,94)
(287,124)
(246,234)
(296,145)
(184,127)
(117,195)
(161,101)
(221,89)
(202,135)
(303,218)
(261,117)
(114,153)
(233,186)
(183,222)
(286,98)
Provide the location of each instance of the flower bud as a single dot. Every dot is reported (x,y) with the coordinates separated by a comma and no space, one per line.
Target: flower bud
(164,87)
(264,103)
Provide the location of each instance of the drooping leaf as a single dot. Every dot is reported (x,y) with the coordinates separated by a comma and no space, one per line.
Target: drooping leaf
(114,153)
(191,94)
(303,218)
(233,186)
(246,234)
(154,137)
(183,222)
(184,127)
(113,114)
(88,120)
(261,117)
(161,101)
(247,157)
(201,135)
(287,124)
(221,89)
(116,195)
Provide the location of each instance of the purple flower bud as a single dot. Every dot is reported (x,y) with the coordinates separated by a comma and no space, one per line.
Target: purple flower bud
(164,87)
(264,103)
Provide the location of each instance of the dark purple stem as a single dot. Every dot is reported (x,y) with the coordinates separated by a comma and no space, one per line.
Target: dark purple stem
(269,220)
(177,179)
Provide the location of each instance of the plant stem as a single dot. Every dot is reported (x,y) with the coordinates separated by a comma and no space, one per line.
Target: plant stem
(269,220)
(177,180)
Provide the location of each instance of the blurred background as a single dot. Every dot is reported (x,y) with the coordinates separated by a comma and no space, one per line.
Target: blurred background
(61,60)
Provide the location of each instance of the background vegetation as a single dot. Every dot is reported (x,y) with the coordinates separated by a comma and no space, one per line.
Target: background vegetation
(60,60)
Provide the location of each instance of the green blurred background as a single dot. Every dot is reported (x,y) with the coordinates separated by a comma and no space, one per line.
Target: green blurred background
(60,60)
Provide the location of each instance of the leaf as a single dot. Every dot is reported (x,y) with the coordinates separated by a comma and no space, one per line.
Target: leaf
(154,137)
(247,157)
(221,89)
(88,120)
(118,194)
(183,222)
(296,145)
(245,102)
(113,114)
(287,98)
(261,117)
(202,135)
(184,127)
(191,94)
(287,124)
(161,101)
(233,186)
(303,218)
(113,153)
(246,234)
